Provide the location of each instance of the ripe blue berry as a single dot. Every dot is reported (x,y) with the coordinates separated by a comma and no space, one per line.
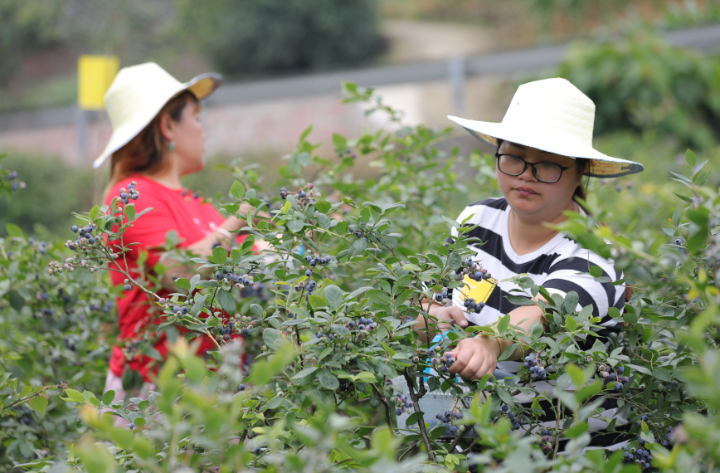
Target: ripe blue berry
(74,228)
(131,425)
(618,386)
(128,287)
(241,387)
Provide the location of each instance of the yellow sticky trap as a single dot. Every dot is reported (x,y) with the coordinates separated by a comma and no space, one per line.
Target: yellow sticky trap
(477,290)
(95,74)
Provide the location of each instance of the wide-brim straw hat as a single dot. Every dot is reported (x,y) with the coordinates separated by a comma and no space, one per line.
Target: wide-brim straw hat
(555,116)
(136,96)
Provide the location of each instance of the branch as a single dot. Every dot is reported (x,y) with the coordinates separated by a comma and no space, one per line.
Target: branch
(457,439)
(421,422)
(387,408)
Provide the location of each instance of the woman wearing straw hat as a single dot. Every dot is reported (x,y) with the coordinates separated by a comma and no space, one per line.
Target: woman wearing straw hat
(544,149)
(157,138)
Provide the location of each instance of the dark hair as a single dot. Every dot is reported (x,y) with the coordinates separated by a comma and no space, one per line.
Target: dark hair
(145,152)
(582,165)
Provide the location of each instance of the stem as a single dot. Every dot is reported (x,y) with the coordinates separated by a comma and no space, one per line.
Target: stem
(457,439)
(408,450)
(387,408)
(557,430)
(421,421)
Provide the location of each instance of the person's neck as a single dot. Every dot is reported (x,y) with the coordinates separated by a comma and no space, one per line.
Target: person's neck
(169,177)
(529,234)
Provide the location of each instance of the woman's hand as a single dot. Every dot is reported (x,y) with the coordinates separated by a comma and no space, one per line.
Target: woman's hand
(447,316)
(475,357)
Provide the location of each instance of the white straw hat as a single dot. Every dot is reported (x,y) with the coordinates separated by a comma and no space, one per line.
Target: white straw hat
(136,96)
(554,116)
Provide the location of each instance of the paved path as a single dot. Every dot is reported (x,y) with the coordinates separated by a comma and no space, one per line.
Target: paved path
(704,38)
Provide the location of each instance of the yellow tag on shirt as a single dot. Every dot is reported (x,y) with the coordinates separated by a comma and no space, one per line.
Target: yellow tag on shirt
(477,290)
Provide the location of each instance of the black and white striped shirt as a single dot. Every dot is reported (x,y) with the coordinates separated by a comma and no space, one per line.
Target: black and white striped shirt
(560,266)
(555,266)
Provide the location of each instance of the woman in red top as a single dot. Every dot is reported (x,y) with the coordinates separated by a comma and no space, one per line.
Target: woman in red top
(157,138)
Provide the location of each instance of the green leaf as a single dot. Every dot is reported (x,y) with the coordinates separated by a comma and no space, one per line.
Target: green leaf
(94,212)
(219,255)
(108,397)
(305,372)
(411,267)
(414,417)
(317,302)
(334,296)
(577,430)
(630,317)
(571,301)
(328,380)
(295,226)
(662,374)
(75,396)
(226,300)
(570,323)
(270,337)
(505,396)
(38,404)
(14,231)
(596,271)
(130,212)
(520,300)
(182,283)
(237,190)
(17,301)
(323,206)
(503,323)
(576,375)
(507,352)
(360,245)
(340,142)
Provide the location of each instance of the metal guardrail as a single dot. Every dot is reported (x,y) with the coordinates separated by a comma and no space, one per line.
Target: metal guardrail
(456,69)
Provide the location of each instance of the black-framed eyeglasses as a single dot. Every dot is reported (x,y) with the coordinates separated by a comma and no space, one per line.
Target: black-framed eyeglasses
(549,173)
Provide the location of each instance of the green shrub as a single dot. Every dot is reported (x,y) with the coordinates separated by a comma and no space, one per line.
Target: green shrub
(323,402)
(645,84)
(262,36)
(54,189)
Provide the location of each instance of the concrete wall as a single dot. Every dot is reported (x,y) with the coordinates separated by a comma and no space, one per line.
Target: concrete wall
(274,125)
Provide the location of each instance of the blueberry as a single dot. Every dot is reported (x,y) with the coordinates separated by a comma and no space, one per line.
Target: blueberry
(246,332)
(308,273)
(302,194)
(618,386)
(241,387)
(505,408)
(128,287)
(257,451)
(74,228)
(132,425)
(398,411)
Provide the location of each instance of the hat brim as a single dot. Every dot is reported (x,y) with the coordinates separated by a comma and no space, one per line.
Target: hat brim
(601,165)
(200,86)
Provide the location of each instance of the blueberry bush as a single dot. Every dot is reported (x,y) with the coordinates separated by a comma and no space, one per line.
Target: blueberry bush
(338,377)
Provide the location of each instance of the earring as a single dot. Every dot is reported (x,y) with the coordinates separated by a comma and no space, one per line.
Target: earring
(171,145)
